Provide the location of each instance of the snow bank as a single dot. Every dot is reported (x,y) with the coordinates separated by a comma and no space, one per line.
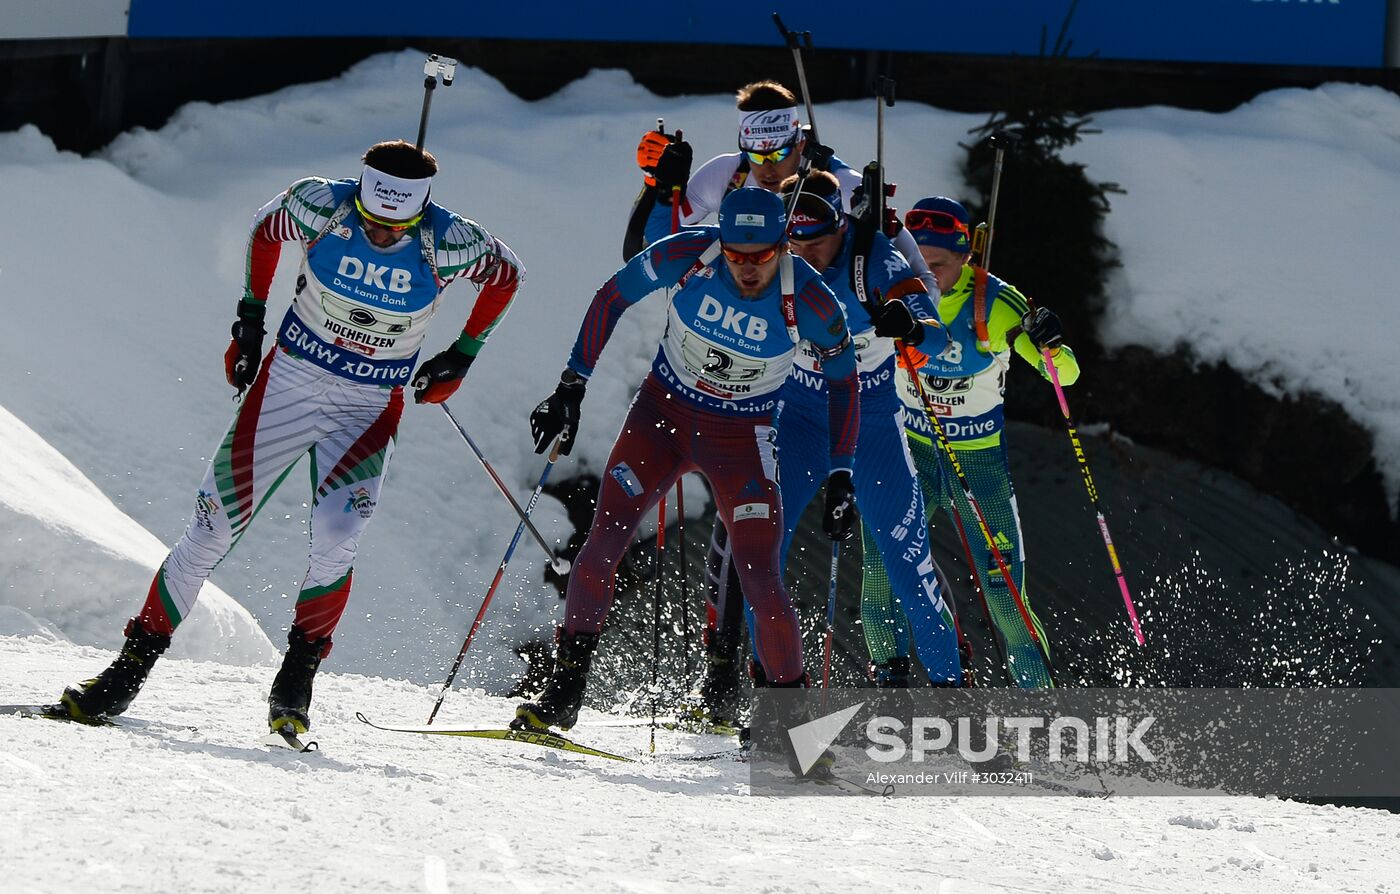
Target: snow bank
(74,561)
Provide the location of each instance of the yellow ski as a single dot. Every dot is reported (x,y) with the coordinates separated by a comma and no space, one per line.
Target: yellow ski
(543,738)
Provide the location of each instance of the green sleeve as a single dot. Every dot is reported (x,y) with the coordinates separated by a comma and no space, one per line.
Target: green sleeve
(1005,317)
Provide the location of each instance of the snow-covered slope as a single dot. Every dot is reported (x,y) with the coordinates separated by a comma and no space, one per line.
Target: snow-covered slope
(1262,237)
(161,807)
(72,560)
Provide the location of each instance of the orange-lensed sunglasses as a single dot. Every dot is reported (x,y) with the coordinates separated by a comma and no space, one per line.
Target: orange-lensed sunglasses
(756,258)
(937,221)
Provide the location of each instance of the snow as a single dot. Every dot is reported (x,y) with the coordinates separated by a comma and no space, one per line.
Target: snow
(1263,237)
(119,289)
(56,515)
(157,805)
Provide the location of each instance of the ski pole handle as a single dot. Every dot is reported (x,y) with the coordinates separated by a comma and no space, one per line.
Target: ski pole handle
(795,41)
(434,67)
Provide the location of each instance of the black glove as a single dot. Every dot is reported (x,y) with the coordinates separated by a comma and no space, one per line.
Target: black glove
(672,170)
(439,377)
(818,156)
(839,519)
(557,416)
(893,319)
(1043,328)
(245,350)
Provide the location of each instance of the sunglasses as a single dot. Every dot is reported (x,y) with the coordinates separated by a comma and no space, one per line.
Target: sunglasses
(398,226)
(768,158)
(936,221)
(756,258)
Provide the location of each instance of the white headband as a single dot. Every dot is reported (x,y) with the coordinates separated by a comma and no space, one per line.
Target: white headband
(390,197)
(767,130)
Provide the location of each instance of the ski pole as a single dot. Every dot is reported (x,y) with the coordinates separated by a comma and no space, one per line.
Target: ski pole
(981,593)
(1093,497)
(558,563)
(656,616)
(496,581)
(433,67)
(685,584)
(872,209)
(680,493)
(966,486)
(795,41)
(998,143)
(830,615)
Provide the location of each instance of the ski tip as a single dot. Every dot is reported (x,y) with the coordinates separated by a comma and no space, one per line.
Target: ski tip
(286,737)
(53,712)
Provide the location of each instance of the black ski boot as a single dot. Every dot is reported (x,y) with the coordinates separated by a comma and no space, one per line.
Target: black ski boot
(110,692)
(893,674)
(290,698)
(759,679)
(559,703)
(821,766)
(715,702)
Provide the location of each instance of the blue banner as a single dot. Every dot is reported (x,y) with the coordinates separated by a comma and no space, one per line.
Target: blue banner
(1341,33)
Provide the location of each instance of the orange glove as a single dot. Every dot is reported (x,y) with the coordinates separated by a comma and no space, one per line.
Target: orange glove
(649,150)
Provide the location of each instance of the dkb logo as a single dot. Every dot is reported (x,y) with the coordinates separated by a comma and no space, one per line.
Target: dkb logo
(372,274)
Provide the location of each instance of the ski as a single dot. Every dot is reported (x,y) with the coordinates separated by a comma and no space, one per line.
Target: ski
(736,754)
(54,712)
(543,738)
(699,727)
(60,713)
(848,786)
(671,724)
(286,737)
(1039,781)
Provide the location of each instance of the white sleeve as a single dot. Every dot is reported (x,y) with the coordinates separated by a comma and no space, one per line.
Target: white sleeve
(906,245)
(707,187)
(849,178)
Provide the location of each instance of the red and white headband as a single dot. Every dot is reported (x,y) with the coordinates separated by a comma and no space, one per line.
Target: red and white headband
(768,130)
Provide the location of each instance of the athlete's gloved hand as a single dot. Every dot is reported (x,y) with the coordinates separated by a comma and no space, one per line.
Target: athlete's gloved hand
(557,416)
(1043,328)
(672,170)
(245,350)
(649,150)
(894,319)
(839,519)
(818,156)
(439,377)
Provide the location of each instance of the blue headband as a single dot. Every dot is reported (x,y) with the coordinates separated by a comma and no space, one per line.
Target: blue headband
(805,226)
